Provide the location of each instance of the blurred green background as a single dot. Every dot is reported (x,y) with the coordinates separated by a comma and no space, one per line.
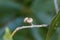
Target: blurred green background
(13,12)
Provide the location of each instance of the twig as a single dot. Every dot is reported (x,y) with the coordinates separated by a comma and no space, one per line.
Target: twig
(56,5)
(24,27)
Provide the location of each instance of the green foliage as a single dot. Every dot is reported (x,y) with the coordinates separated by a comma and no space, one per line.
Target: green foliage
(55,23)
(7,34)
(13,12)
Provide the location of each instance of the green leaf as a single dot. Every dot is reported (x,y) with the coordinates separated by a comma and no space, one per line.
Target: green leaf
(7,35)
(53,26)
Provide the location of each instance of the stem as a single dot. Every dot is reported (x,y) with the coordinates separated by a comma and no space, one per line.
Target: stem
(24,27)
(56,5)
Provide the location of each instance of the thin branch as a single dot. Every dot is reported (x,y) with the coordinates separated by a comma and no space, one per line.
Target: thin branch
(24,27)
(56,5)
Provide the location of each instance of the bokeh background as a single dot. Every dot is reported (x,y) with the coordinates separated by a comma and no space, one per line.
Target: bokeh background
(13,12)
